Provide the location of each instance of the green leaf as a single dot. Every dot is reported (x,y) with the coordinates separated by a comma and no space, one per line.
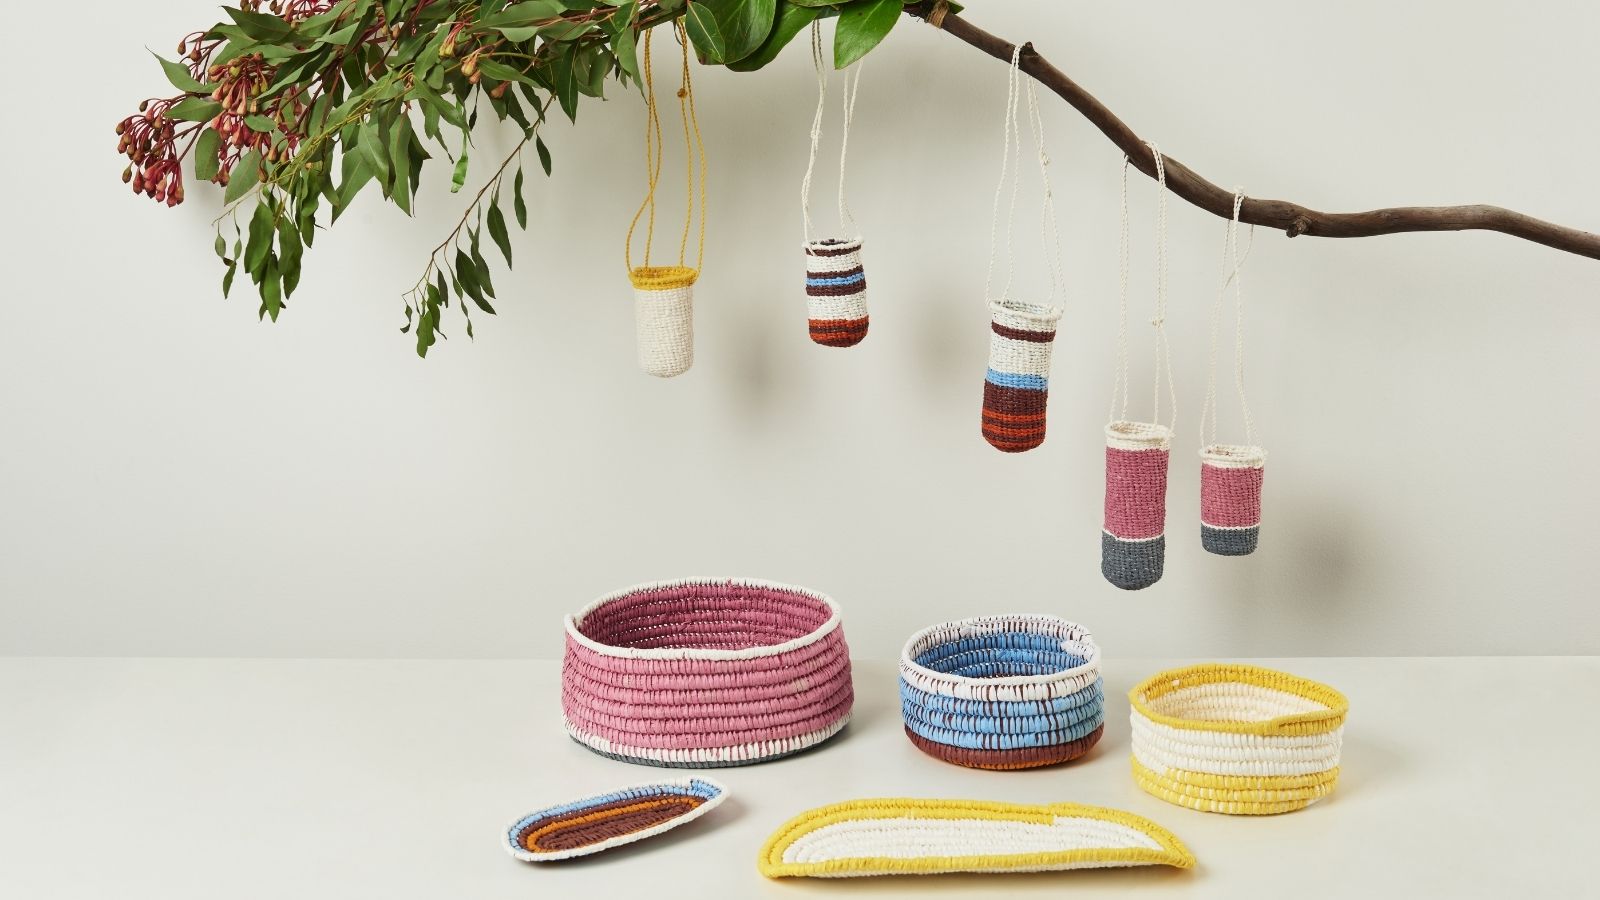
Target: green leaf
(259,245)
(523,15)
(271,291)
(178,74)
(370,142)
(623,41)
(459,177)
(467,274)
(354,173)
(862,25)
(245,174)
(400,141)
(567,83)
(343,36)
(260,26)
(227,279)
(501,72)
(206,160)
(701,24)
(497,230)
(261,124)
(517,206)
(221,247)
(194,109)
(544,154)
(742,24)
(793,17)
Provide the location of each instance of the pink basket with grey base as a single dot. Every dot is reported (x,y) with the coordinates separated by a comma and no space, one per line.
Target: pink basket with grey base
(705,673)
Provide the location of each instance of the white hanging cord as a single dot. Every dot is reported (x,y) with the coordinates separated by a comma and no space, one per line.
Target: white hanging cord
(1159,320)
(1049,233)
(847,219)
(816,128)
(1119,383)
(1008,129)
(1230,251)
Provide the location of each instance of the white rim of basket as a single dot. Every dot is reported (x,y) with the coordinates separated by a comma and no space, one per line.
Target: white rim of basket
(828,627)
(1091,660)
(619,840)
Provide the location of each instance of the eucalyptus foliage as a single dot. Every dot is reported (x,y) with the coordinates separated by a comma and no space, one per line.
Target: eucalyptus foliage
(296,108)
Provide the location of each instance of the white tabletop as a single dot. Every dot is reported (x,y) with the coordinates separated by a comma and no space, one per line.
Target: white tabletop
(176,779)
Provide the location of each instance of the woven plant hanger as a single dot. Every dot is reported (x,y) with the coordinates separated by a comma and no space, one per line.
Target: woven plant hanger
(1230,474)
(1133,537)
(663,295)
(1016,384)
(836,282)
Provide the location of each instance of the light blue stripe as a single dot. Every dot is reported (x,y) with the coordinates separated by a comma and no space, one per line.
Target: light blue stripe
(973,741)
(1011,379)
(848,279)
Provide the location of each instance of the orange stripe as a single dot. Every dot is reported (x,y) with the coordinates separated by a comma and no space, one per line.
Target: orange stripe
(1012,417)
(1013,432)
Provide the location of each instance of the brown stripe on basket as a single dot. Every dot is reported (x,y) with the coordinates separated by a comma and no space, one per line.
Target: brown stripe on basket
(839,250)
(1024,758)
(1023,334)
(839,332)
(593,824)
(1012,401)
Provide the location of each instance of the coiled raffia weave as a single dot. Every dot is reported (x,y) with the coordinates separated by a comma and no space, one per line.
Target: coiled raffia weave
(1236,739)
(836,292)
(1002,692)
(704,673)
(663,318)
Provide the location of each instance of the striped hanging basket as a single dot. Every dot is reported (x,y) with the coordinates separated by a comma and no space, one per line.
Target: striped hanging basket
(703,673)
(1236,739)
(1016,387)
(836,292)
(1003,692)
(1230,498)
(1133,544)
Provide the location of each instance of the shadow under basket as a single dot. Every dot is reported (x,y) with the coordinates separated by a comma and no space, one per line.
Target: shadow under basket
(663,317)
(705,673)
(1003,692)
(1230,498)
(836,292)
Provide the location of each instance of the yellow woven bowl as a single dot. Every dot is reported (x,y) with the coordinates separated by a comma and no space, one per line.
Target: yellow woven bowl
(1236,739)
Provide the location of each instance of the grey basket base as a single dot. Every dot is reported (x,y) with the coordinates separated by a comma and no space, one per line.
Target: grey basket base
(1230,541)
(1132,565)
(658,764)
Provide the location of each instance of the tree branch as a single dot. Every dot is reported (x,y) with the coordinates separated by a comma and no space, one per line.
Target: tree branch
(1291,218)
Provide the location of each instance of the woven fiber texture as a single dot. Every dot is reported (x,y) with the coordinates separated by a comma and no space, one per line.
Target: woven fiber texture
(663,318)
(836,292)
(1230,498)
(1236,739)
(925,837)
(609,820)
(1003,692)
(704,673)
(1133,545)
(1016,387)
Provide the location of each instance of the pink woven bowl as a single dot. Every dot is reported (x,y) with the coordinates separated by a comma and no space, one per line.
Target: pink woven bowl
(704,673)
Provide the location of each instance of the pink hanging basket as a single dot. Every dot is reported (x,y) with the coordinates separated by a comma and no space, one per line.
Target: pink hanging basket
(1230,498)
(704,673)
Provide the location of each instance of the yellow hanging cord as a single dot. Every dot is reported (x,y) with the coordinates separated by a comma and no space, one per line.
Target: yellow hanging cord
(694,152)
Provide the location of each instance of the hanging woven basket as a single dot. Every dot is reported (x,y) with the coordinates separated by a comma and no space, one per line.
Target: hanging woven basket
(1230,498)
(836,292)
(663,317)
(1016,386)
(1002,692)
(703,673)
(1133,543)
(1236,739)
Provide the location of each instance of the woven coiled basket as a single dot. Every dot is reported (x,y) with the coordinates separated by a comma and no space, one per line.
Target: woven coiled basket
(1003,692)
(703,673)
(1236,739)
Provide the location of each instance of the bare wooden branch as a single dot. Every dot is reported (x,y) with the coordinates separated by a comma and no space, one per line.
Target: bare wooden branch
(1290,218)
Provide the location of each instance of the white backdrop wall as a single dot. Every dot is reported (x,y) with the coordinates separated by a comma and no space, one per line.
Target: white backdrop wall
(179,479)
